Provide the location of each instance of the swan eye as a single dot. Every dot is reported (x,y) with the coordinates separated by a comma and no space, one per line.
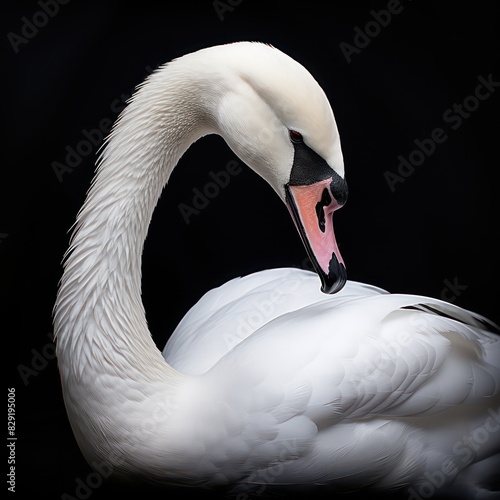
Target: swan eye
(296,137)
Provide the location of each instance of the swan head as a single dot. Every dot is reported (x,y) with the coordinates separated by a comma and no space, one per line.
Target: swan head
(275,116)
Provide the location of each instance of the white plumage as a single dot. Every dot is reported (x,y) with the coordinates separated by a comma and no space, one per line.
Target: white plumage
(267,380)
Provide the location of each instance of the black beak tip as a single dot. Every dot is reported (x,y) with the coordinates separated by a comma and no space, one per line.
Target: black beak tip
(336,278)
(333,287)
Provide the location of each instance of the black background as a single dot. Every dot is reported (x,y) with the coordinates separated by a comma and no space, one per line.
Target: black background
(436,228)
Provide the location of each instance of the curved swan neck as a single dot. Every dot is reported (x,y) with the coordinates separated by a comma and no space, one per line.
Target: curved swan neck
(99,304)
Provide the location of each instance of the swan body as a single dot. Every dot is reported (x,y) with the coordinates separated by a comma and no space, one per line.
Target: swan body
(267,380)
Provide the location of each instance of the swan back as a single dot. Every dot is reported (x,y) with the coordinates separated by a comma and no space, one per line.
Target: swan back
(229,314)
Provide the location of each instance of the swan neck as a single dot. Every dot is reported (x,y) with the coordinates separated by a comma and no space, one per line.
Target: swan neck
(99,310)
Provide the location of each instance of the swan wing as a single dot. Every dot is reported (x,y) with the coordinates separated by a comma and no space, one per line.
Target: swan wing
(376,355)
(343,392)
(335,388)
(229,314)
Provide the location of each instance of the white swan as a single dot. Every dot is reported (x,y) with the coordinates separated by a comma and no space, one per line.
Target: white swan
(266,381)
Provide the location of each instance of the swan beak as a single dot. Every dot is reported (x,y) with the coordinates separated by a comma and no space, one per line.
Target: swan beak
(311,207)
